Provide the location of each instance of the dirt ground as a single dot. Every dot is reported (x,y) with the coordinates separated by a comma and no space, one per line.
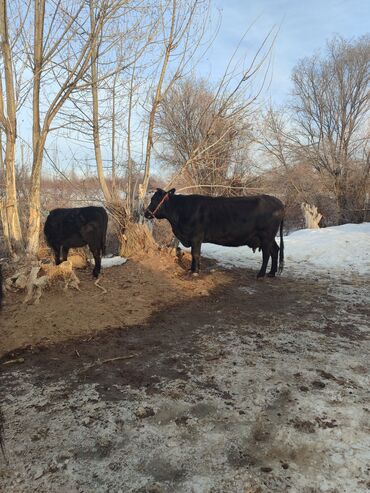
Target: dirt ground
(175,384)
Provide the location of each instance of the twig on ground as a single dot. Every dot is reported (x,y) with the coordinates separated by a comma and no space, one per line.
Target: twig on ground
(99,286)
(99,363)
(11,361)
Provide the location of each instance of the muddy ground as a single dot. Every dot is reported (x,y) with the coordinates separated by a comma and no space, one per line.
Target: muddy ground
(170,384)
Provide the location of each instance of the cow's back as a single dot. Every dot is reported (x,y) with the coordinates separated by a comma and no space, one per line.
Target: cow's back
(69,223)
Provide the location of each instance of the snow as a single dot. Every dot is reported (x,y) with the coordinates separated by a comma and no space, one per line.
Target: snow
(336,250)
(112,261)
(107,262)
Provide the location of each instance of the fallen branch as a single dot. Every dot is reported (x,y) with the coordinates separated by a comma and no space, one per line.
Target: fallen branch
(11,361)
(99,363)
(96,283)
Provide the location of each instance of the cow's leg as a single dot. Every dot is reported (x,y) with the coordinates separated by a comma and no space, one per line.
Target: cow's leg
(176,245)
(65,251)
(266,248)
(274,259)
(195,257)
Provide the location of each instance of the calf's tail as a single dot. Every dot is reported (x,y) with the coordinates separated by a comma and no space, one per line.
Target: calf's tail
(281,251)
(104,237)
(103,244)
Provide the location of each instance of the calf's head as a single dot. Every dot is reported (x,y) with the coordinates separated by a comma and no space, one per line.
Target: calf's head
(157,204)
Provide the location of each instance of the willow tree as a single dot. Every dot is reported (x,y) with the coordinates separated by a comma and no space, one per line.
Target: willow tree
(61,56)
(8,122)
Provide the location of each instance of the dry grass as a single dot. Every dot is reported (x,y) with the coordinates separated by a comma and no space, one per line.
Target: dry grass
(137,238)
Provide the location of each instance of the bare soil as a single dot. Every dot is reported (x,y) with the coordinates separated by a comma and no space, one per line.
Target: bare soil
(173,384)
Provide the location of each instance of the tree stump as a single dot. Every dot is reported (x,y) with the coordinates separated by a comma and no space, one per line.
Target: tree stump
(311,215)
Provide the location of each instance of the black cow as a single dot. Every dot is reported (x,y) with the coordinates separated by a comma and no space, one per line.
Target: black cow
(235,221)
(74,228)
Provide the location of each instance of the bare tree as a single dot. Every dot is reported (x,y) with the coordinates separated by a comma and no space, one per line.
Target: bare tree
(191,119)
(331,106)
(224,118)
(8,122)
(95,107)
(98,107)
(183,34)
(63,48)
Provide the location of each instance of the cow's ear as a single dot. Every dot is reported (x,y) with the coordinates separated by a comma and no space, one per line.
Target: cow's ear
(172,191)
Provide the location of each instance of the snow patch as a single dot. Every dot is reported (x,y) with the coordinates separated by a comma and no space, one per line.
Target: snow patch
(336,250)
(107,262)
(113,261)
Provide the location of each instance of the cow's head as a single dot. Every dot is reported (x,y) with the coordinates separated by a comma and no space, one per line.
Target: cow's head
(158,201)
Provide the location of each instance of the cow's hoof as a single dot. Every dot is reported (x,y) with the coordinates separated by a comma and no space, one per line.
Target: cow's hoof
(95,274)
(271,274)
(195,274)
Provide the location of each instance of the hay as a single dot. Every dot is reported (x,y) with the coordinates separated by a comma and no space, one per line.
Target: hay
(78,256)
(78,259)
(64,272)
(137,239)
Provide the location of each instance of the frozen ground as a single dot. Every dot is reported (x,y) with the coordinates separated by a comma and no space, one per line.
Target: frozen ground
(251,387)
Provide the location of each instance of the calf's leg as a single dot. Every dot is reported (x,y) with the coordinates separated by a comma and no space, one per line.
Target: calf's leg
(57,255)
(65,251)
(96,251)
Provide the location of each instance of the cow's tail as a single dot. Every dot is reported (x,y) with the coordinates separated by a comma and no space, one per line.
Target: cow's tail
(281,250)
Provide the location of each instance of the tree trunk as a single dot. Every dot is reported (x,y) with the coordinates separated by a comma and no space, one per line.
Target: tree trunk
(342,201)
(38,137)
(34,217)
(14,226)
(156,102)
(9,122)
(95,110)
(114,187)
(129,195)
(4,222)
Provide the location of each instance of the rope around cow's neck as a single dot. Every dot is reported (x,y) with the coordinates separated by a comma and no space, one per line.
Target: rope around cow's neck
(165,198)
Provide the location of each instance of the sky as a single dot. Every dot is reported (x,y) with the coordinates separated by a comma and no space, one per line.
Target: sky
(304,28)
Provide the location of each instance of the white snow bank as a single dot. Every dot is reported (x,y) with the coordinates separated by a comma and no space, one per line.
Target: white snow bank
(110,261)
(334,250)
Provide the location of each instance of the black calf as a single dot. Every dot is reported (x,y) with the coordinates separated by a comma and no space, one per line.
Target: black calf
(74,228)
